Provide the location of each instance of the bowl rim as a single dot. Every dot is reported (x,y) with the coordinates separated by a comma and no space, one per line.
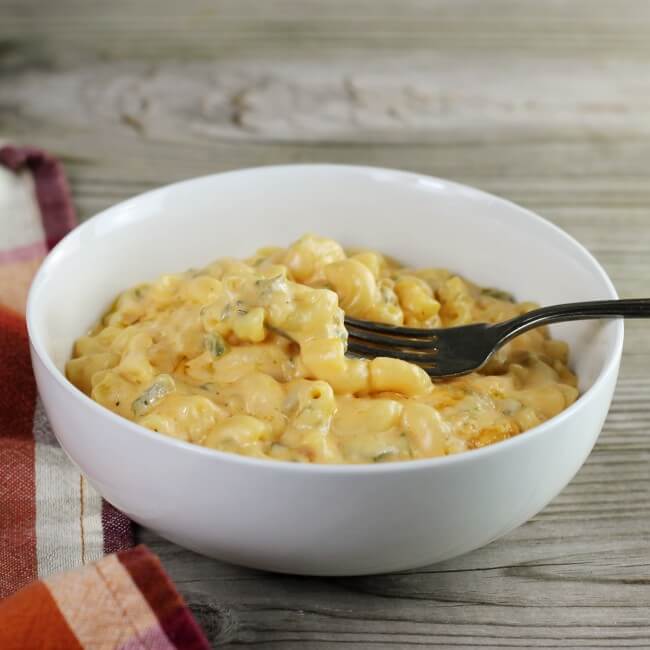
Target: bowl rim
(475,455)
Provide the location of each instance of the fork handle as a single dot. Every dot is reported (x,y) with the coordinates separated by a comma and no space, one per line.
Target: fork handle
(631,308)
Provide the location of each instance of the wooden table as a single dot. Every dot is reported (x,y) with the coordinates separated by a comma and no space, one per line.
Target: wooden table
(546,103)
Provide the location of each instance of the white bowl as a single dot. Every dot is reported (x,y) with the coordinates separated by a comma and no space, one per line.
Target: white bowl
(318,519)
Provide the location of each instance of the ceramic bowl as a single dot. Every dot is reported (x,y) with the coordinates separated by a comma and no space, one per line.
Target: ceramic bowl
(319,519)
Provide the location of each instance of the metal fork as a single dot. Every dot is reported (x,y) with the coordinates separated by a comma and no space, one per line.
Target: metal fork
(452,351)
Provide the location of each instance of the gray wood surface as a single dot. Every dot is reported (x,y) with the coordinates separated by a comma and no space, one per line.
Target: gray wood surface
(546,103)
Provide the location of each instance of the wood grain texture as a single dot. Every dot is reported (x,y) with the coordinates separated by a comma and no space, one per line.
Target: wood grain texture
(546,103)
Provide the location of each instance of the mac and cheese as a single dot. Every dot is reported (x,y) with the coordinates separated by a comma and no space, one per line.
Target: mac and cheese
(250,357)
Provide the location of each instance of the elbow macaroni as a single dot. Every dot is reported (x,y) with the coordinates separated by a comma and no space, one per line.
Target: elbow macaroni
(250,357)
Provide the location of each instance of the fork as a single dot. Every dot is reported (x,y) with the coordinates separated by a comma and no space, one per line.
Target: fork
(452,351)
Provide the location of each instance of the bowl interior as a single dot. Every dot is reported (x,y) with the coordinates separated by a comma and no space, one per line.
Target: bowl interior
(420,220)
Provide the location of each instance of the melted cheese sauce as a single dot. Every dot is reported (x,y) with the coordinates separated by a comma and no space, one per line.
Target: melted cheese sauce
(250,357)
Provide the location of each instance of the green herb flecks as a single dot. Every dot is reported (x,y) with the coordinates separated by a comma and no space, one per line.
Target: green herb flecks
(215,345)
(160,388)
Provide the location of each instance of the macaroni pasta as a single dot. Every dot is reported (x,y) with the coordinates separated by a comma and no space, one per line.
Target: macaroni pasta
(250,357)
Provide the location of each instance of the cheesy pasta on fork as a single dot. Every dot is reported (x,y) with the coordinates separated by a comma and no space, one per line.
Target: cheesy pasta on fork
(250,357)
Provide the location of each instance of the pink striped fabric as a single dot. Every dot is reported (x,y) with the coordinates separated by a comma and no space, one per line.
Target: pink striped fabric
(52,192)
(51,519)
(123,602)
(22,253)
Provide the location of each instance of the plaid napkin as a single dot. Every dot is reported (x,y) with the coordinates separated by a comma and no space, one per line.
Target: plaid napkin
(124,601)
(51,519)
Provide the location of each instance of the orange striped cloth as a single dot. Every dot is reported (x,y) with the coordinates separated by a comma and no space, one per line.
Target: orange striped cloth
(124,601)
(51,518)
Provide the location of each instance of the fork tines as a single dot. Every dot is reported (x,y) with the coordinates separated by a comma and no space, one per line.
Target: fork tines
(392,330)
(370,339)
